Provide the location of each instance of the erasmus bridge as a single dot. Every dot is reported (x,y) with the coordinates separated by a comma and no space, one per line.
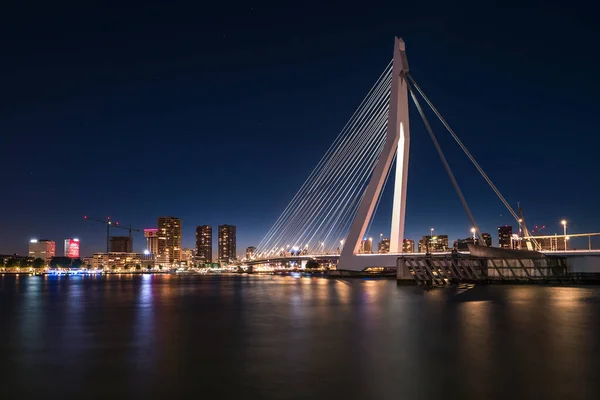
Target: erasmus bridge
(332,211)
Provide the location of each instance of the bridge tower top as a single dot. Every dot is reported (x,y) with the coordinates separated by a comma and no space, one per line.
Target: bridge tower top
(397,144)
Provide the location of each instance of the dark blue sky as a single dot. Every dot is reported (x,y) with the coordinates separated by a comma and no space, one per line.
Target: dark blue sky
(217,113)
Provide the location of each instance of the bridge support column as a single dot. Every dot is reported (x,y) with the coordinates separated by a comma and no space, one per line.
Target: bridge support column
(397,142)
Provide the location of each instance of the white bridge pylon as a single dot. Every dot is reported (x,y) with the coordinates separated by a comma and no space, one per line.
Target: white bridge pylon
(397,143)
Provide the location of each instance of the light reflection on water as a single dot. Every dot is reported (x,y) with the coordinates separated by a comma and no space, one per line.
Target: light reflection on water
(294,337)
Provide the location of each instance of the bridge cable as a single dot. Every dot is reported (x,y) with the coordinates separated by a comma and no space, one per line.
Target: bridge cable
(470,156)
(444,161)
(330,162)
(331,194)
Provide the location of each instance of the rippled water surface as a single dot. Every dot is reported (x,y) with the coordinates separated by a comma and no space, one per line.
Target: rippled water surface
(275,337)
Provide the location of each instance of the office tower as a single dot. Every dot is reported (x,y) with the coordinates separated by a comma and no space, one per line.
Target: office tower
(121,244)
(408,246)
(151,235)
(384,246)
(227,242)
(250,252)
(43,248)
(72,248)
(204,243)
(169,239)
(504,236)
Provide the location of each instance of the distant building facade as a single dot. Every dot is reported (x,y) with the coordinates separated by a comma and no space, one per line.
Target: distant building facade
(463,244)
(42,248)
(384,246)
(187,255)
(366,246)
(408,246)
(504,237)
(120,260)
(227,243)
(121,244)
(433,244)
(72,248)
(151,235)
(487,239)
(169,239)
(250,252)
(204,243)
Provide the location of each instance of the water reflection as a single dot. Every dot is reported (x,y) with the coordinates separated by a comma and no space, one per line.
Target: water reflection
(290,337)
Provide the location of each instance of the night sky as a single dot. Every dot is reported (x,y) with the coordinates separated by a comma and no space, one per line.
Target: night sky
(217,113)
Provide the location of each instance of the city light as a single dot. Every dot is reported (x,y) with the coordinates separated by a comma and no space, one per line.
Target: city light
(146,252)
(33,241)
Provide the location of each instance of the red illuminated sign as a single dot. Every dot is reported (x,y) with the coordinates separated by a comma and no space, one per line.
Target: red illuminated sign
(72,248)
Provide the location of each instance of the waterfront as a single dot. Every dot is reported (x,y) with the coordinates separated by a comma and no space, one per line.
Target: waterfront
(126,336)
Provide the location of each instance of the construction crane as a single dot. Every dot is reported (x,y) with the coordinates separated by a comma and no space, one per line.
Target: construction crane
(108,224)
(112,224)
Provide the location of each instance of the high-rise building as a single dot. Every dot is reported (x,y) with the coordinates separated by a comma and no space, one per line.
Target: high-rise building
(433,244)
(72,248)
(366,246)
(384,246)
(504,236)
(487,239)
(151,235)
(43,248)
(169,239)
(408,246)
(227,242)
(121,244)
(250,252)
(204,243)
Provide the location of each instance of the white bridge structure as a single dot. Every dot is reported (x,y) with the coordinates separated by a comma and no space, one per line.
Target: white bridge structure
(332,211)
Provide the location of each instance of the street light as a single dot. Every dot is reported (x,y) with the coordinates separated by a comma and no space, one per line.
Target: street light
(473,232)
(564,224)
(430,241)
(371,244)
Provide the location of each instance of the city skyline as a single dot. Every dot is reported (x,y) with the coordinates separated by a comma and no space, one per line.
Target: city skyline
(473,80)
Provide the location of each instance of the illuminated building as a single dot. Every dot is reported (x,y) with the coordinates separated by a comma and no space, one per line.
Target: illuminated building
(250,252)
(169,239)
(384,246)
(366,246)
(433,244)
(504,236)
(408,246)
(43,248)
(72,248)
(151,235)
(187,255)
(121,244)
(121,260)
(204,243)
(227,243)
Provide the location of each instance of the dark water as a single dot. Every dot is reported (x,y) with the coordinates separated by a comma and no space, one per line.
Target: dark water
(271,337)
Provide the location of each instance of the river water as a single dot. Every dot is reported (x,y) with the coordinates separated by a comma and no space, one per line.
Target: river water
(286,337)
